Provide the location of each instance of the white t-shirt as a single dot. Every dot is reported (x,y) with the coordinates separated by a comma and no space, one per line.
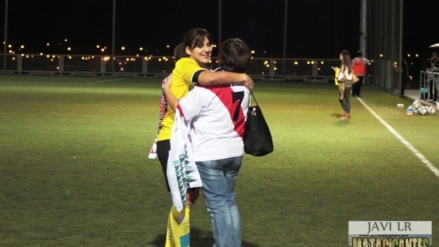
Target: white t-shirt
(218,118)
(344,72)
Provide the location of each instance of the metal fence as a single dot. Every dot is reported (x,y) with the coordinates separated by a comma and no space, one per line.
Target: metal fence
(428,91)
(310,70)
(385,44)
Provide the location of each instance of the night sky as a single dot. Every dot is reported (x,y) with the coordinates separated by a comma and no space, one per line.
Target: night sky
(315,28)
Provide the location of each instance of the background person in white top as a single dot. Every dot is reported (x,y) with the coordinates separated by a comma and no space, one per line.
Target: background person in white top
(218,118)
(345,84)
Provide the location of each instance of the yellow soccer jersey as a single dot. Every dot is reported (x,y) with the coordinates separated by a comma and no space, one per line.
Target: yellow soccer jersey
(182,82)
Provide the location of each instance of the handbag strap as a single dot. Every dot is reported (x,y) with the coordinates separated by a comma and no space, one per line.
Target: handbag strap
(251,93)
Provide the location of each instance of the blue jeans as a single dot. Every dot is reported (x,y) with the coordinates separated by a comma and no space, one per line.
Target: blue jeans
(219,177)
(346,102)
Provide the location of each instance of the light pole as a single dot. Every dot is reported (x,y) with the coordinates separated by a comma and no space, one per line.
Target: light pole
(363,27)
(114,34)
(285,39)
(219,24)
(6,35)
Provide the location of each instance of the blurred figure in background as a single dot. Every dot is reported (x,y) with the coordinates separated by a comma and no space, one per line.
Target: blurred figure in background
(359,67)
(435,68)
(344,79)
(406,77)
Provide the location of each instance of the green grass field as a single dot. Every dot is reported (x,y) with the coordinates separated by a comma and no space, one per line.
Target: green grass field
(74,169)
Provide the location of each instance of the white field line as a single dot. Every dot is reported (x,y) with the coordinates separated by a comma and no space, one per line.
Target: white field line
(404,141)
(97,82)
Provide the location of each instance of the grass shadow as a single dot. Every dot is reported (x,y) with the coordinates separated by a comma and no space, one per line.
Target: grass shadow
(199,238)
(341,122)
(336,115)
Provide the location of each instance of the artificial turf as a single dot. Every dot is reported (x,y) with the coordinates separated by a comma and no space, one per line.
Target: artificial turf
(74,167)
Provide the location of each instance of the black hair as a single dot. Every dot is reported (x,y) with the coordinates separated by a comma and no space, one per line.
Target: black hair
(234,55)
(195,38)
(346,61)
(179,52)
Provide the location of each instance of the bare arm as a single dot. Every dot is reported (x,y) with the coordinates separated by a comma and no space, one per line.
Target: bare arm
(170,97)
(224,78)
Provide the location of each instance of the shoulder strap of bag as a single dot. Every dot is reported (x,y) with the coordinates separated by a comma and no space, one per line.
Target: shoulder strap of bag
(253,96)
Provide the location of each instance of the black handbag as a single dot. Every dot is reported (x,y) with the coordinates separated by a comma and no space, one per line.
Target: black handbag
(257,136)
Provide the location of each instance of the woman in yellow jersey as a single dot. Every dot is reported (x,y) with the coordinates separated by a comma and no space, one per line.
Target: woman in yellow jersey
(190,71)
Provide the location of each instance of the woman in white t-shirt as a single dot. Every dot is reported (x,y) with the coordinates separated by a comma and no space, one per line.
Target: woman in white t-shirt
(217,117)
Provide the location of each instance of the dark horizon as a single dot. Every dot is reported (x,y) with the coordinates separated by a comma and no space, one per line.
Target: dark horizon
(315,29)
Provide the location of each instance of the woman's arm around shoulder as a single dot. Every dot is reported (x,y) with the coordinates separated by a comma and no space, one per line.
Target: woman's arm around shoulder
(209,78)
